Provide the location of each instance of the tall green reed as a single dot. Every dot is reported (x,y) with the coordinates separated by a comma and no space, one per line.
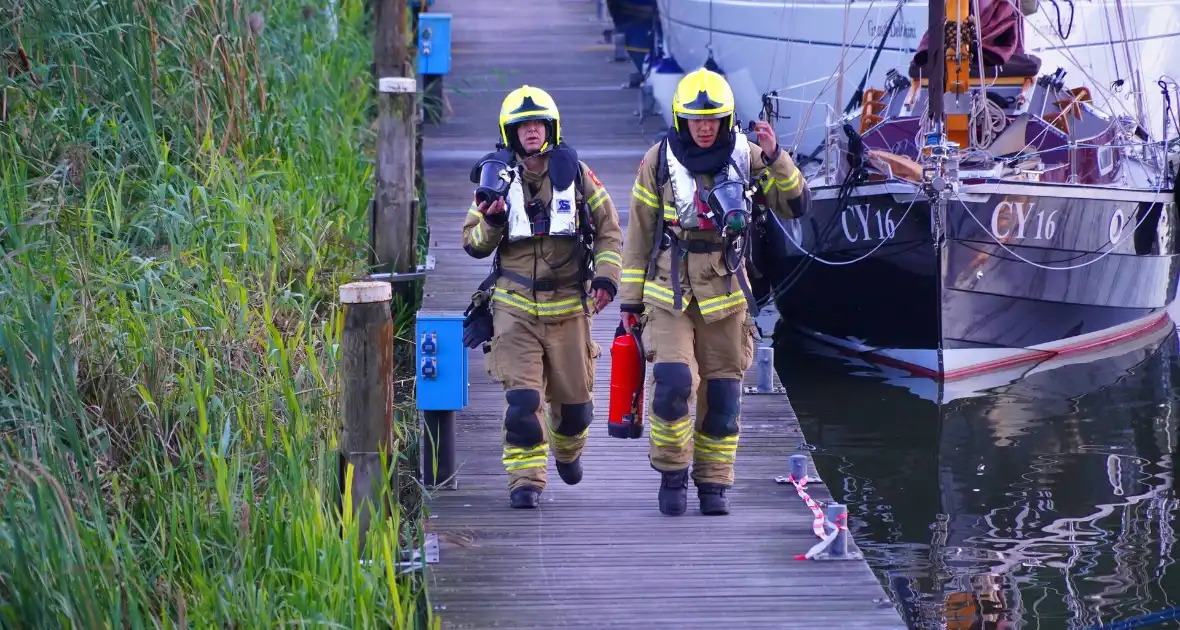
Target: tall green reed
(183,185)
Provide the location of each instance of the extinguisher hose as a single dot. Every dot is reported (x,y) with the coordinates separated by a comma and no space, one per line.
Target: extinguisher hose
(636,402)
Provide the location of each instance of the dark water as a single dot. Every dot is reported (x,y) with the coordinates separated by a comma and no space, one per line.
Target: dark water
(1043,503)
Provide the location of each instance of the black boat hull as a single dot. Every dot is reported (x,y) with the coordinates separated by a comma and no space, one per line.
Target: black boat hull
(1022,269)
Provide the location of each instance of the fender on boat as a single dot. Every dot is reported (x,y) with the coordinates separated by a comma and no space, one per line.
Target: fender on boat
(665,74)
(636,20)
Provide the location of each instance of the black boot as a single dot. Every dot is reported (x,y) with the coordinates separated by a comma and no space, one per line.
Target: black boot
(674,492)
(525,498)
(571,473)
(712,498)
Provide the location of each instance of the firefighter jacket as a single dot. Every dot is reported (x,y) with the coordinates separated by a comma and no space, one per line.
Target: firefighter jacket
(549,276)
(653,274)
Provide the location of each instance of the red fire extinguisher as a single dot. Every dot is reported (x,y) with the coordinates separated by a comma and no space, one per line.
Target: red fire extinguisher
(627,369)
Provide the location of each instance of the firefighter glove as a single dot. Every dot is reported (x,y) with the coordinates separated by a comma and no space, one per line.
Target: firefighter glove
(477,325)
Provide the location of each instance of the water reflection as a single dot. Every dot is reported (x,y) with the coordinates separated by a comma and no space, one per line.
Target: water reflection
(1045,502)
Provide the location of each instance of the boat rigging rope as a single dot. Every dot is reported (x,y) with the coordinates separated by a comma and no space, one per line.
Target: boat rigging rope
(858,95)
(709,47)
(987,120)
(1064,33)
(840,263)
(1126,233)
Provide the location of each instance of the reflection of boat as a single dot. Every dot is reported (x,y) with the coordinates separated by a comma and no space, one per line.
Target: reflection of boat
(944,391)
(1050,495)
(1007,219)
(813,56)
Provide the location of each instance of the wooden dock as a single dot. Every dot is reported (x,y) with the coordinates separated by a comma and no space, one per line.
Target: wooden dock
(599,554)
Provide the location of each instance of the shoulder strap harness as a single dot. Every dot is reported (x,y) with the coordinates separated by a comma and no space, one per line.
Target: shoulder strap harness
(584,252)
(663,238)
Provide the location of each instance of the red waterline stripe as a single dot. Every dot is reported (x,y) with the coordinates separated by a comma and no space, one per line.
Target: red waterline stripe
(998,364)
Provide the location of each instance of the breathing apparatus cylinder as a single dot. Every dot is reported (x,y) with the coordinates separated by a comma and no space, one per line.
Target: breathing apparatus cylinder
(627,369)
(492,177)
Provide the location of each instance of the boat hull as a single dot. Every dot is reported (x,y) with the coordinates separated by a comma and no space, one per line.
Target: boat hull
(1022,270)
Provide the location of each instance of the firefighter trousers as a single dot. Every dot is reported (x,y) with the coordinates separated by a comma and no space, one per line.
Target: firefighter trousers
(691,359)
(530,358)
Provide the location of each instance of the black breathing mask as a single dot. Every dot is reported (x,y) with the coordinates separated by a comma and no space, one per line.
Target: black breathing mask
(492,176)
(727,203)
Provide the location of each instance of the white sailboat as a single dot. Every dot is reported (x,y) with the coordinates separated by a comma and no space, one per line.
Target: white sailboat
(811,55)
(979,209)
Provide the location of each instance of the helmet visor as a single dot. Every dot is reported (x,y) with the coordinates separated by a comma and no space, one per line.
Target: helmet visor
(704,105)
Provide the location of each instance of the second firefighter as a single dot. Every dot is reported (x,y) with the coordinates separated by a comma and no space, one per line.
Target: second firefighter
(684,271)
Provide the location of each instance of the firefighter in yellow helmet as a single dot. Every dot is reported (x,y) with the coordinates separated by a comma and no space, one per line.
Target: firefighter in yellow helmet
(557,243)
(685,282)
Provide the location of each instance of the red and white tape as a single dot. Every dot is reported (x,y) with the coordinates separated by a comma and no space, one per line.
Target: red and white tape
(818,521)
(817,513)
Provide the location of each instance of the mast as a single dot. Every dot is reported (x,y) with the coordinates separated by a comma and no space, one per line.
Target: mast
(934,62)
(948,67)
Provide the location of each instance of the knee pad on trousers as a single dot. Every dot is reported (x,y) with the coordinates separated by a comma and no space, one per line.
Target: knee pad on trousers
(575,418)
(673,386)
(521,423)
(723,397)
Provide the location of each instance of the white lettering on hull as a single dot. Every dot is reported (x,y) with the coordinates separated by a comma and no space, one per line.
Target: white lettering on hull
(864,223)
(1019,220)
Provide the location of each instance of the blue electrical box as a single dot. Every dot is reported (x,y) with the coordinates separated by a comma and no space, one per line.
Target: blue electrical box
(441,361)
(434,43)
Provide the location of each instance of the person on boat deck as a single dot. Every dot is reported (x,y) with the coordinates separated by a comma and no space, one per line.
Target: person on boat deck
(547,286)
(696,327)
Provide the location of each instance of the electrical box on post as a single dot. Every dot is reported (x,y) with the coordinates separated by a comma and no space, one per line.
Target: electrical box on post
(440,360)
(434,43)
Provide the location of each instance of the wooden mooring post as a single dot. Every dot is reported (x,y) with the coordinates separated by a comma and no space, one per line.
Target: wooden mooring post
(366,396)
(395,216)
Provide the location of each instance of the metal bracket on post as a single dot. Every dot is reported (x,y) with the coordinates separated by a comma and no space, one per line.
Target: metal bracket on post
(412,559)
(420,270)
(764,361)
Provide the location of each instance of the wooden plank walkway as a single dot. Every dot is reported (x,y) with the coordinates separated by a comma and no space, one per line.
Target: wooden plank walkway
(599,554)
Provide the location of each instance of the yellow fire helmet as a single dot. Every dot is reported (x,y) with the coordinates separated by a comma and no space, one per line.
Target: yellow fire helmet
(529,103)
(703,93)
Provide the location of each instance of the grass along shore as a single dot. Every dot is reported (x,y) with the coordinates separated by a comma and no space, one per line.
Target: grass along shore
(183,186)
